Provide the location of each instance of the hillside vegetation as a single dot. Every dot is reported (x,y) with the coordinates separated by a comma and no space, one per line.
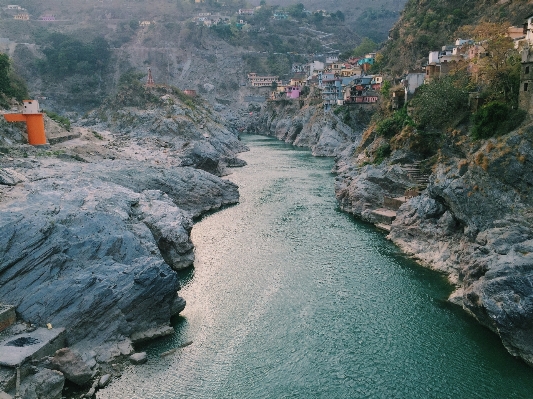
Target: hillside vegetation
(364,18)
(427,25)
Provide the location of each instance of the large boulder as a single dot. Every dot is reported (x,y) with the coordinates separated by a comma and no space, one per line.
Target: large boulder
(139,358)
(72,366)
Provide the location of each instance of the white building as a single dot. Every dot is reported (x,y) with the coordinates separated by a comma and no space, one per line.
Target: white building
(246,11)
(263,81)
(412,81)
(434,57)
(315,67)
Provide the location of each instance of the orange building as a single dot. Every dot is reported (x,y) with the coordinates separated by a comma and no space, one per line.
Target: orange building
(34,122)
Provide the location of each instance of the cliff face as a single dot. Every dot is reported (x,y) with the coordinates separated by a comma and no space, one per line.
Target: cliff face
(473,222)
(307,125)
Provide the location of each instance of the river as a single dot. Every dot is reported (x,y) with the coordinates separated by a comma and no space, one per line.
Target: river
(291,298)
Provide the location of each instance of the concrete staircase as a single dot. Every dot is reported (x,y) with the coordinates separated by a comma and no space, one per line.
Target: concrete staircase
(386,215)
(414,173)
(383,217)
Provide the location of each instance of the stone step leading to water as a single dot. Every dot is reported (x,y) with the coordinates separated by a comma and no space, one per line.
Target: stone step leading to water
(393,203)
(384,227)
(384,216)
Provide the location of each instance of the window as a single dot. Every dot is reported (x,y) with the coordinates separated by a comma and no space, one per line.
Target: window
(527,70)
(525,86)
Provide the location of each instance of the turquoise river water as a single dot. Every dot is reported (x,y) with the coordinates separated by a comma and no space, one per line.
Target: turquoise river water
(291,298)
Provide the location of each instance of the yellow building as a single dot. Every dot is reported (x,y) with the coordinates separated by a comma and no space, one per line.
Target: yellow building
(22,17)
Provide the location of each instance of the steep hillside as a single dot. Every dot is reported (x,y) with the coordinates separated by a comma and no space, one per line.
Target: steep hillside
(427,25)
(214,61)
(370,19)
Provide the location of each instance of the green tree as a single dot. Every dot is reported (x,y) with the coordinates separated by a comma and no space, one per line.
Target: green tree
(5,84)
(441,102)
(338,15)
(296,10)
(11,85)
(494,119)
(366,46)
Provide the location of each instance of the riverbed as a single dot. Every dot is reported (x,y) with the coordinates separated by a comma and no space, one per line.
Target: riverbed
(291,298)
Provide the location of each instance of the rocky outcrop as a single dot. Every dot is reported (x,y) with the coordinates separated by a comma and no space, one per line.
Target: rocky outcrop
(304,124)
(473,222)
(92,229)
(72,366)
(45,384)
(185,126)
(138,358)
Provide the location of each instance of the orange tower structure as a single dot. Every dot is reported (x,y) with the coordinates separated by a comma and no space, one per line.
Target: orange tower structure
(34,122)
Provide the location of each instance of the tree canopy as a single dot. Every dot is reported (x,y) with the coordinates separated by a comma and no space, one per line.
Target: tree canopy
(11,85)
(66,55)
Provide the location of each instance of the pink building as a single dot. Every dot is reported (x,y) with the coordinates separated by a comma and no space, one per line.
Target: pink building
(293,92)
(47,17)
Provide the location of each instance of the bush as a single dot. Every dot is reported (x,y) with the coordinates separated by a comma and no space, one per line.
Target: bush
(65,122)
(11,85)
(66,56)
(439,103)
(382,152)
(394,124)
(495,119)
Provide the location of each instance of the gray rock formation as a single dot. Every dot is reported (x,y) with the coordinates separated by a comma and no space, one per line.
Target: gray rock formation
(93,228)
(46,384)
(183,125)
(104,380)
(72,366)
(305,125)
(138,358)
(473,223)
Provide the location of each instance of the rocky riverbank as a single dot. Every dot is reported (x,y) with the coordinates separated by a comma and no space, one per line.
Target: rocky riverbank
(94,227)
(473,222)
(303,123)
(467,212)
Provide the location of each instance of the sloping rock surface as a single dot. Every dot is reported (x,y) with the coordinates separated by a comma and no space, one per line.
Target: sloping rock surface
(474,222)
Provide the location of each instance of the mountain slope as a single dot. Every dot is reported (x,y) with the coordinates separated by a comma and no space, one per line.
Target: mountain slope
(427,25)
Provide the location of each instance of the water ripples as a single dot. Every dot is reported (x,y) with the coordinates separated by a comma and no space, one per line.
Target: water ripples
(290,298)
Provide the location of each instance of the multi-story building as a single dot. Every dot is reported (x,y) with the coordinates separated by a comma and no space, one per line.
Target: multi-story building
(263,81)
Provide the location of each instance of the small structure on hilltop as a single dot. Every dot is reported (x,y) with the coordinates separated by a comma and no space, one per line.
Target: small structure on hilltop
(150,81)
(22,17)
(525,100)
(47,17)
(34,122)
(190,92)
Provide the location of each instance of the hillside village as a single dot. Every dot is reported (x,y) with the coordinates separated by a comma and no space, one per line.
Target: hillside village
(352,81)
